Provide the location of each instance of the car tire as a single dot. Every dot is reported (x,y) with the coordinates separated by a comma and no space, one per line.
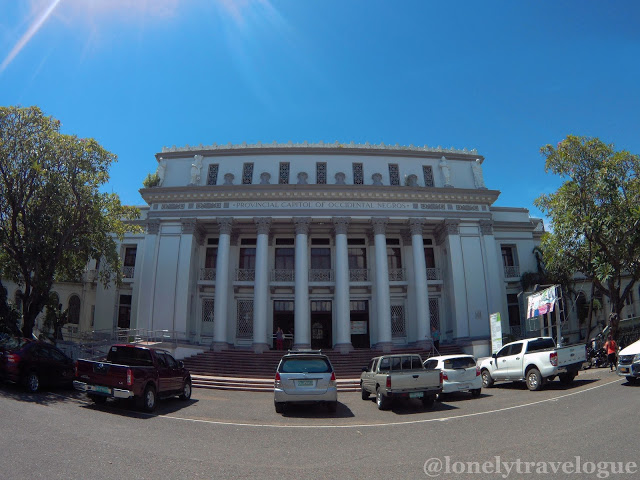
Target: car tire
(566,378)
(332,407)
(632,380)
(381,400)
(98,399)
(534,380)
(149,399)
(32,382)
(487,381)
(428,401)
(279,406)
(475,393)
(364,393)
(186,390)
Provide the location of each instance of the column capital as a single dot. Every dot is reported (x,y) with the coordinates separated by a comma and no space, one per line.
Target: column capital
(406,237)
(450,226)
(302,225)
(416,226)
(486,227)
(226,225)
(153,226)
(188,225)
(263,224)
(341,224)
(379,225)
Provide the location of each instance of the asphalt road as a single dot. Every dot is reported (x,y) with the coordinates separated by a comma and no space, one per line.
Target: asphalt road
(217,434)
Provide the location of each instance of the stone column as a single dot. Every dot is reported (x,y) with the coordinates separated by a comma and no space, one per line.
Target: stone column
(458,288)
(302,326)
(147,277)
(343,312)
(423,318)
(261,287)
(495,287)
(220,315)
(185,277)
(383,300)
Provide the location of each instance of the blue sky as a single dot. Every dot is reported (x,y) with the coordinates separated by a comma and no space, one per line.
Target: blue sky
(504,77)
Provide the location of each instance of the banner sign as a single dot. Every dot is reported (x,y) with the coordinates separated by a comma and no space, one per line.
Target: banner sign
(541,302)
(358,327)
(496,332)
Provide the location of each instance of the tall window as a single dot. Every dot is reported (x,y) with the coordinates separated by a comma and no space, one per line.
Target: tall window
(321,258)
(508,259)
(394,254)
(74,309)
(124,311)
(130,257)
(513,307)
(210,257)
(429,254)
(357,257)
(285,258)
(247,258)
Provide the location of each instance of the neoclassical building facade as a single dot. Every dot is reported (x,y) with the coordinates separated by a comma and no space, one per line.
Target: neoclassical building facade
(342,246)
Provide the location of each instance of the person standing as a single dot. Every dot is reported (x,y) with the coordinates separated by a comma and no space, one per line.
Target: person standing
(612,348)
(279,339)
(435,336)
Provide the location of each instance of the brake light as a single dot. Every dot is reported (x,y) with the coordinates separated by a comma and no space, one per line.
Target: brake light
(278,382)
(553,358)
(12,358)
(477,371)
(129,377)
(75,369)
(441,377)
(333,382)
(388,381)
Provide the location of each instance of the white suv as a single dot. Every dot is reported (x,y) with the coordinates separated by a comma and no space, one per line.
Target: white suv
(629,362)
(305,377)
(459,373)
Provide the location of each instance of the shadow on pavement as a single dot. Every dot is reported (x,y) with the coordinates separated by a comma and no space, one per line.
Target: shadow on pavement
(553,385)
(128,408)
(46,396)
(304,410)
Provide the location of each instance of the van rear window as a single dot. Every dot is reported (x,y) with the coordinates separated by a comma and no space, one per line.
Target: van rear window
(135,357)
(305,365)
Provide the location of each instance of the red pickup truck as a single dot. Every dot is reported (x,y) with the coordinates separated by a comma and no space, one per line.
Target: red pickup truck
(133,371)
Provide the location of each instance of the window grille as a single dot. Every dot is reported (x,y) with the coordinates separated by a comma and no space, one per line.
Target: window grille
(208,310)
(358,175)
(397,321)
(244,328)
(321,173)
(283,178)
(212,174)
(434,312)
(247,173)
(428,175)
(394,174)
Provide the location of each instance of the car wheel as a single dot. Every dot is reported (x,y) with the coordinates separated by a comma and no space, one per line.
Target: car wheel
(487,381)
(475,393)
(149,399)
(381,401)
(566,378)
(534,379)
(427,402)
(632,380)
(32,382)
(279,407)
(364,393)
(98,399)
(186,390)
(332,407)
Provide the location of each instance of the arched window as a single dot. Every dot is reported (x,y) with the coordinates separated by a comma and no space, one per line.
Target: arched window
(74,309)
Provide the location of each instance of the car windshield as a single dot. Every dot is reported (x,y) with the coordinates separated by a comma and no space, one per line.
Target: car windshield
(460,362)
(137,357)
(305,365)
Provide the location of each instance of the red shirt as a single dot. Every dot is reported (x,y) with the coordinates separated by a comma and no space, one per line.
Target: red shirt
(611,346)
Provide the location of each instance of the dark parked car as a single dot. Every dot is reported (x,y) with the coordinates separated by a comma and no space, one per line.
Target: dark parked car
(34,364)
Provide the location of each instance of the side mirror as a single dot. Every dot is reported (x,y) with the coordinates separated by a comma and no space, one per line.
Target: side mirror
(180,364)
(365,369)
(495,355)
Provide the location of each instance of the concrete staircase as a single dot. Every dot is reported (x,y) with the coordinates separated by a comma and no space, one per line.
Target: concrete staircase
(244,370)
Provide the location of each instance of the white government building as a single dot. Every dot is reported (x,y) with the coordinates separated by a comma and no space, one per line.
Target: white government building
(341,245)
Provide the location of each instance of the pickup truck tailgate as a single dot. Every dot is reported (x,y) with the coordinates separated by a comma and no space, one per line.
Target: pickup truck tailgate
(102,373)
(572,354)
(415,380)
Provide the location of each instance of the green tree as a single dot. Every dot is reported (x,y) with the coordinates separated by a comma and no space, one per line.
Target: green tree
(53,216)
(595,216)
(9,316)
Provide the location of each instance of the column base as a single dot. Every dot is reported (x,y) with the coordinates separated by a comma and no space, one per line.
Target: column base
(260,347)
(386,347)
(219,346)
(301,346)
(343,348)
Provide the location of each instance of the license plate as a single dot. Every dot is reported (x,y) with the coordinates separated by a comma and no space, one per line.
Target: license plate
(416,394)
(463,387)
(624,370)
(305,383)
(101,389)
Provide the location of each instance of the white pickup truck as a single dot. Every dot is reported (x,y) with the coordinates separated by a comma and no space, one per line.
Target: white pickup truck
(533,360)
(399,376)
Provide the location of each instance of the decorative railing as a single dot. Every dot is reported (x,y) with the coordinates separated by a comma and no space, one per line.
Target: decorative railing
(283,275)
(511,271)
(208,274)
(245,274)
(128,272)
(359,275)
(434,274)
(396,275)
(320,275)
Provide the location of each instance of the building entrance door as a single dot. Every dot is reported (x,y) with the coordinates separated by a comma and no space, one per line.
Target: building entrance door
(321,331)
(360,324)
(283,317)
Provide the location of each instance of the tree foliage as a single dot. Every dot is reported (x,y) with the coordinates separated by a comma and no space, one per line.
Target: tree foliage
(53,216)
(595,215)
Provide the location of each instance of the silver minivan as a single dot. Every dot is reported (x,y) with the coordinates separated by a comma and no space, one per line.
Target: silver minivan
(305,377)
